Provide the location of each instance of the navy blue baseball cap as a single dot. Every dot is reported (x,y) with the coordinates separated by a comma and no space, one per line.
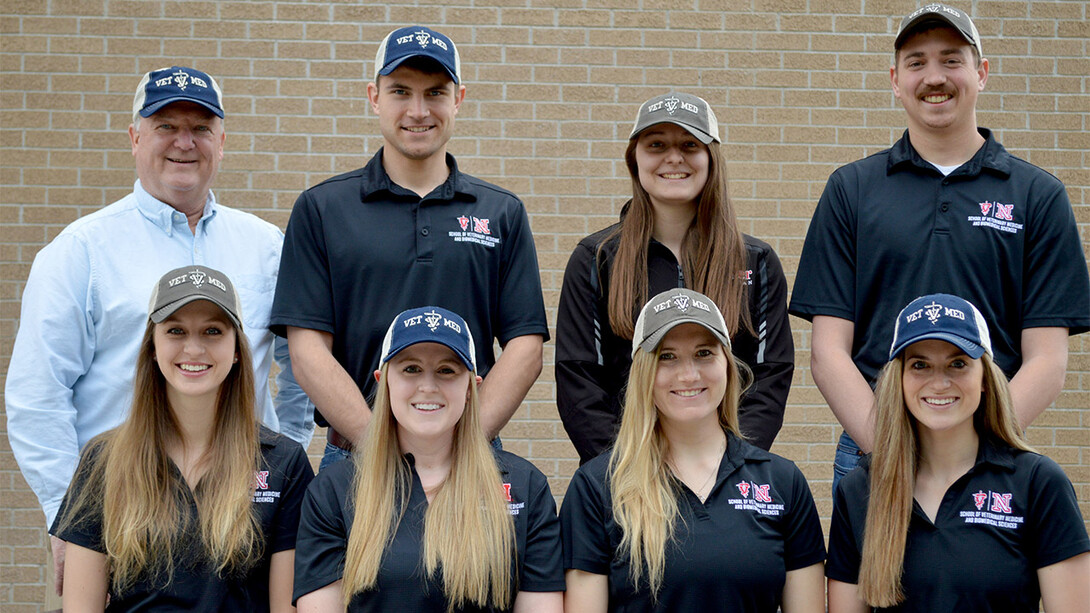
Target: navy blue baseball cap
(943,317)
(164,86)
(417,41)
(430,324)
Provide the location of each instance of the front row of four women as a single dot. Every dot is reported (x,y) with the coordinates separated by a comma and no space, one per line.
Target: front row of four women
(190,505)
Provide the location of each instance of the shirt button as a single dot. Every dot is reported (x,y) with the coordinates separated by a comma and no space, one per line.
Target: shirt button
(945,207)
(424,231)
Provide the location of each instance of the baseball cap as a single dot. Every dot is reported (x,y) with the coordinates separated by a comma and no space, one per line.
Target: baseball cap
(183,285)
(673,308)
(686,110)
(943,317)
(164,86)
(430,324)
(944,15)
(417,41)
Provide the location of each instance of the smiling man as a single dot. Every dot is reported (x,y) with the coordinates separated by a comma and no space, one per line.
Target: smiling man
(85,305)
(408,229)
(946,209)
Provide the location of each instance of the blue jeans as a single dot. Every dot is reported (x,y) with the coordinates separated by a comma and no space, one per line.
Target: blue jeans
(847,457)
(332,455)
(335,454)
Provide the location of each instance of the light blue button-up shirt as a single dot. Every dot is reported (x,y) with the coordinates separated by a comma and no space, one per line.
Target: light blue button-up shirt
(84,311)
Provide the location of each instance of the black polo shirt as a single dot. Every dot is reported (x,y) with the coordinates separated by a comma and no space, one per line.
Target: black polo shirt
(1013,513)
(280,486)
(999,232)
(592,362)
(730,553)
(359,249)
(402,586)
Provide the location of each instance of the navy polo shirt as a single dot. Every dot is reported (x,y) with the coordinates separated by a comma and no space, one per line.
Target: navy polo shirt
(359,249)
(278,494)
(730,553)
(998,231)
(1013,513)
(402,586)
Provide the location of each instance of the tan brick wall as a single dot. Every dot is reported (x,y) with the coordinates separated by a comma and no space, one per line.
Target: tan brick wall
(552,85)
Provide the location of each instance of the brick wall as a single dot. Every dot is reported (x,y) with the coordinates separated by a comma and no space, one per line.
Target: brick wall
(552,88)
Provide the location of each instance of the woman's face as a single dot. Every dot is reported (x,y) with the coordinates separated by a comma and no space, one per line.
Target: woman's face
(673,164)
(942,385)
(429,389)
(692,376)
(195,349)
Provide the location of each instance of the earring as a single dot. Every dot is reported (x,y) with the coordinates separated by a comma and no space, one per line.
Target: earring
(235,361)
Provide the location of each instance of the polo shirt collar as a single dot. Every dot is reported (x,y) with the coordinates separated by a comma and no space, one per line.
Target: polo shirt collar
(992,156)
(738,454)
(377,185)
(162,215)
(994,453)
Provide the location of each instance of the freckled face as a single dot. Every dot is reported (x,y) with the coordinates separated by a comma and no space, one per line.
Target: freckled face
(195,349)
(673,165)
(942,386)
(692,376)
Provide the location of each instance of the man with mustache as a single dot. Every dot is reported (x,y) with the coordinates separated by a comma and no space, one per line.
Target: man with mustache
(946,209)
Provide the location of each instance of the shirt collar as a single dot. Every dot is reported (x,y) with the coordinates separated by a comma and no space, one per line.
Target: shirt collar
(738,454)
(996,453)
(162,214)
(992,156)
(376,184)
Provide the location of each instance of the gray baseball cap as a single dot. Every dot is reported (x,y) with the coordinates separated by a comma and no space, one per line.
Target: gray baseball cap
(686,110)
(673,308)
(183,285)
(943,15)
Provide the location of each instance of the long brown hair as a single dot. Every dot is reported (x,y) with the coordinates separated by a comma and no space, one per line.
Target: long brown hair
(128,472)
(643,488)
(713,254)
(893,467)
(469,535)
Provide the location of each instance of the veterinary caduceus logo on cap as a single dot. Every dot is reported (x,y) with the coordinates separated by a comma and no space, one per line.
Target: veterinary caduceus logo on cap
(423,38)
(197,277)
(681,301)
(181,79)
(671,104)
(433,319)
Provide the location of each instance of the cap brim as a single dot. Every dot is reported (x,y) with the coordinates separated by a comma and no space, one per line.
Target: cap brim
(160,315)
(652,340)
(970,348)
(700,135)
(393,65)
(936,18)
(153,108)
(467,360)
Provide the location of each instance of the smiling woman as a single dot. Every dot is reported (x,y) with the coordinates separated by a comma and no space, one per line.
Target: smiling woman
(952,505)
(427,517)
(679,230)
(190,504)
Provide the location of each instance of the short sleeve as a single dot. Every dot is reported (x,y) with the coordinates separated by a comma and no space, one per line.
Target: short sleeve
(845,550)
(521,304)
(297,475)
(323,533)
(541,570)
(304,289)
(1054,251)
(583,522)
(804,543)
(825,281)
(85,529)
(1057,531)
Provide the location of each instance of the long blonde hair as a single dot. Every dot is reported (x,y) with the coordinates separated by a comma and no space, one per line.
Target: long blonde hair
(893,467)
(469,535)
(643,488)
(713,254)
(128,473)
